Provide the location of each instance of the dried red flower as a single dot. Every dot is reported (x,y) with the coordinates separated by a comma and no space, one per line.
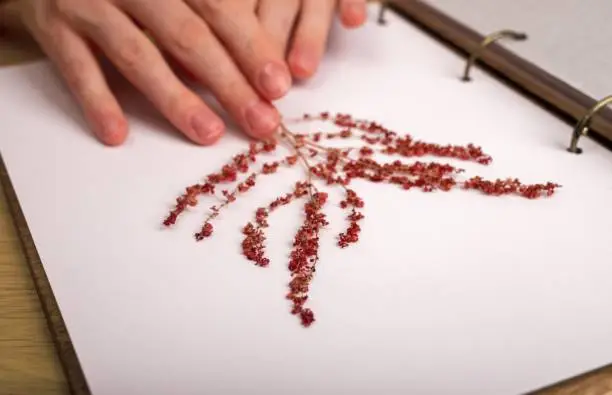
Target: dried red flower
(335,166)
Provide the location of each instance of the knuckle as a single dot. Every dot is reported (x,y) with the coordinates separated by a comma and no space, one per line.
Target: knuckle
(130,53)
(76,75)
(55,34)
(40,16)
(212,7)
(65,8)
(188,35)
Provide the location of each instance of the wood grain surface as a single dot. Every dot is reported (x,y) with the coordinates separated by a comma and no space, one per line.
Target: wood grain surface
(29,362)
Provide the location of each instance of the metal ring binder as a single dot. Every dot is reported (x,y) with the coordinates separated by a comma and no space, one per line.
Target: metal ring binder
(514,35)
(582,127)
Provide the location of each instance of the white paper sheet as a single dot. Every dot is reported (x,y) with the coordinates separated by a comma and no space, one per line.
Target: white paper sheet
(445,293)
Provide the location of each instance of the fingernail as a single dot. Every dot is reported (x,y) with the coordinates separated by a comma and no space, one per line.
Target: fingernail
(303,64)
(207,130)
(113,131)
(275,79)
(261,119)
(354,12)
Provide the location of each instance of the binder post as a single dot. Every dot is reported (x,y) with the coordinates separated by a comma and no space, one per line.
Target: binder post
(491,38)
(582,127)
(381,11)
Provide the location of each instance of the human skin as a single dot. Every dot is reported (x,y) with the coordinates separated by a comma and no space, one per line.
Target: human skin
(245,52)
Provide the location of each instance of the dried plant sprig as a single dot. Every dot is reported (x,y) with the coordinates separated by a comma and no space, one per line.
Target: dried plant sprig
(240,163)
(253,247)
(339,167)
(243,187)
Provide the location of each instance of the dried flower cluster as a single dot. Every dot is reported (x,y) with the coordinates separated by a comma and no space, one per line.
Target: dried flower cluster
(330,166)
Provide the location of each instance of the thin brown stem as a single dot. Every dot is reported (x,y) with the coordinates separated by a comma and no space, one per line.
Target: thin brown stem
(227,200)
(300,154)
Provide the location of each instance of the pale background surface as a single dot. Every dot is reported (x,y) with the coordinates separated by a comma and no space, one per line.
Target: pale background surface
(24,355)
(568,38)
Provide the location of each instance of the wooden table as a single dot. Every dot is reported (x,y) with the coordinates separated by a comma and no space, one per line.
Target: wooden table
(29,364)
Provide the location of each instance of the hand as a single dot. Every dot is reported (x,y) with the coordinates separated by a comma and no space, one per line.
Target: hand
(235,48)
(300,28)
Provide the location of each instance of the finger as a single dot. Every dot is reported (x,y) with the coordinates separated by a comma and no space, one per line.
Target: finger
(278,18)
(352,12)
(238,28)
(179,69)
(85,79)
(191,42)
(144,66)
(310,37)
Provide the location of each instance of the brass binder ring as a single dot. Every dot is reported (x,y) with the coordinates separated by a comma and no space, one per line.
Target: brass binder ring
(582,127)
(511,34)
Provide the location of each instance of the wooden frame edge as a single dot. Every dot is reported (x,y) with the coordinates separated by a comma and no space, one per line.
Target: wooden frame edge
(59,333)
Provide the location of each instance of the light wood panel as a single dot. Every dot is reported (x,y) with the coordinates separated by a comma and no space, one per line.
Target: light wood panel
(28,361)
